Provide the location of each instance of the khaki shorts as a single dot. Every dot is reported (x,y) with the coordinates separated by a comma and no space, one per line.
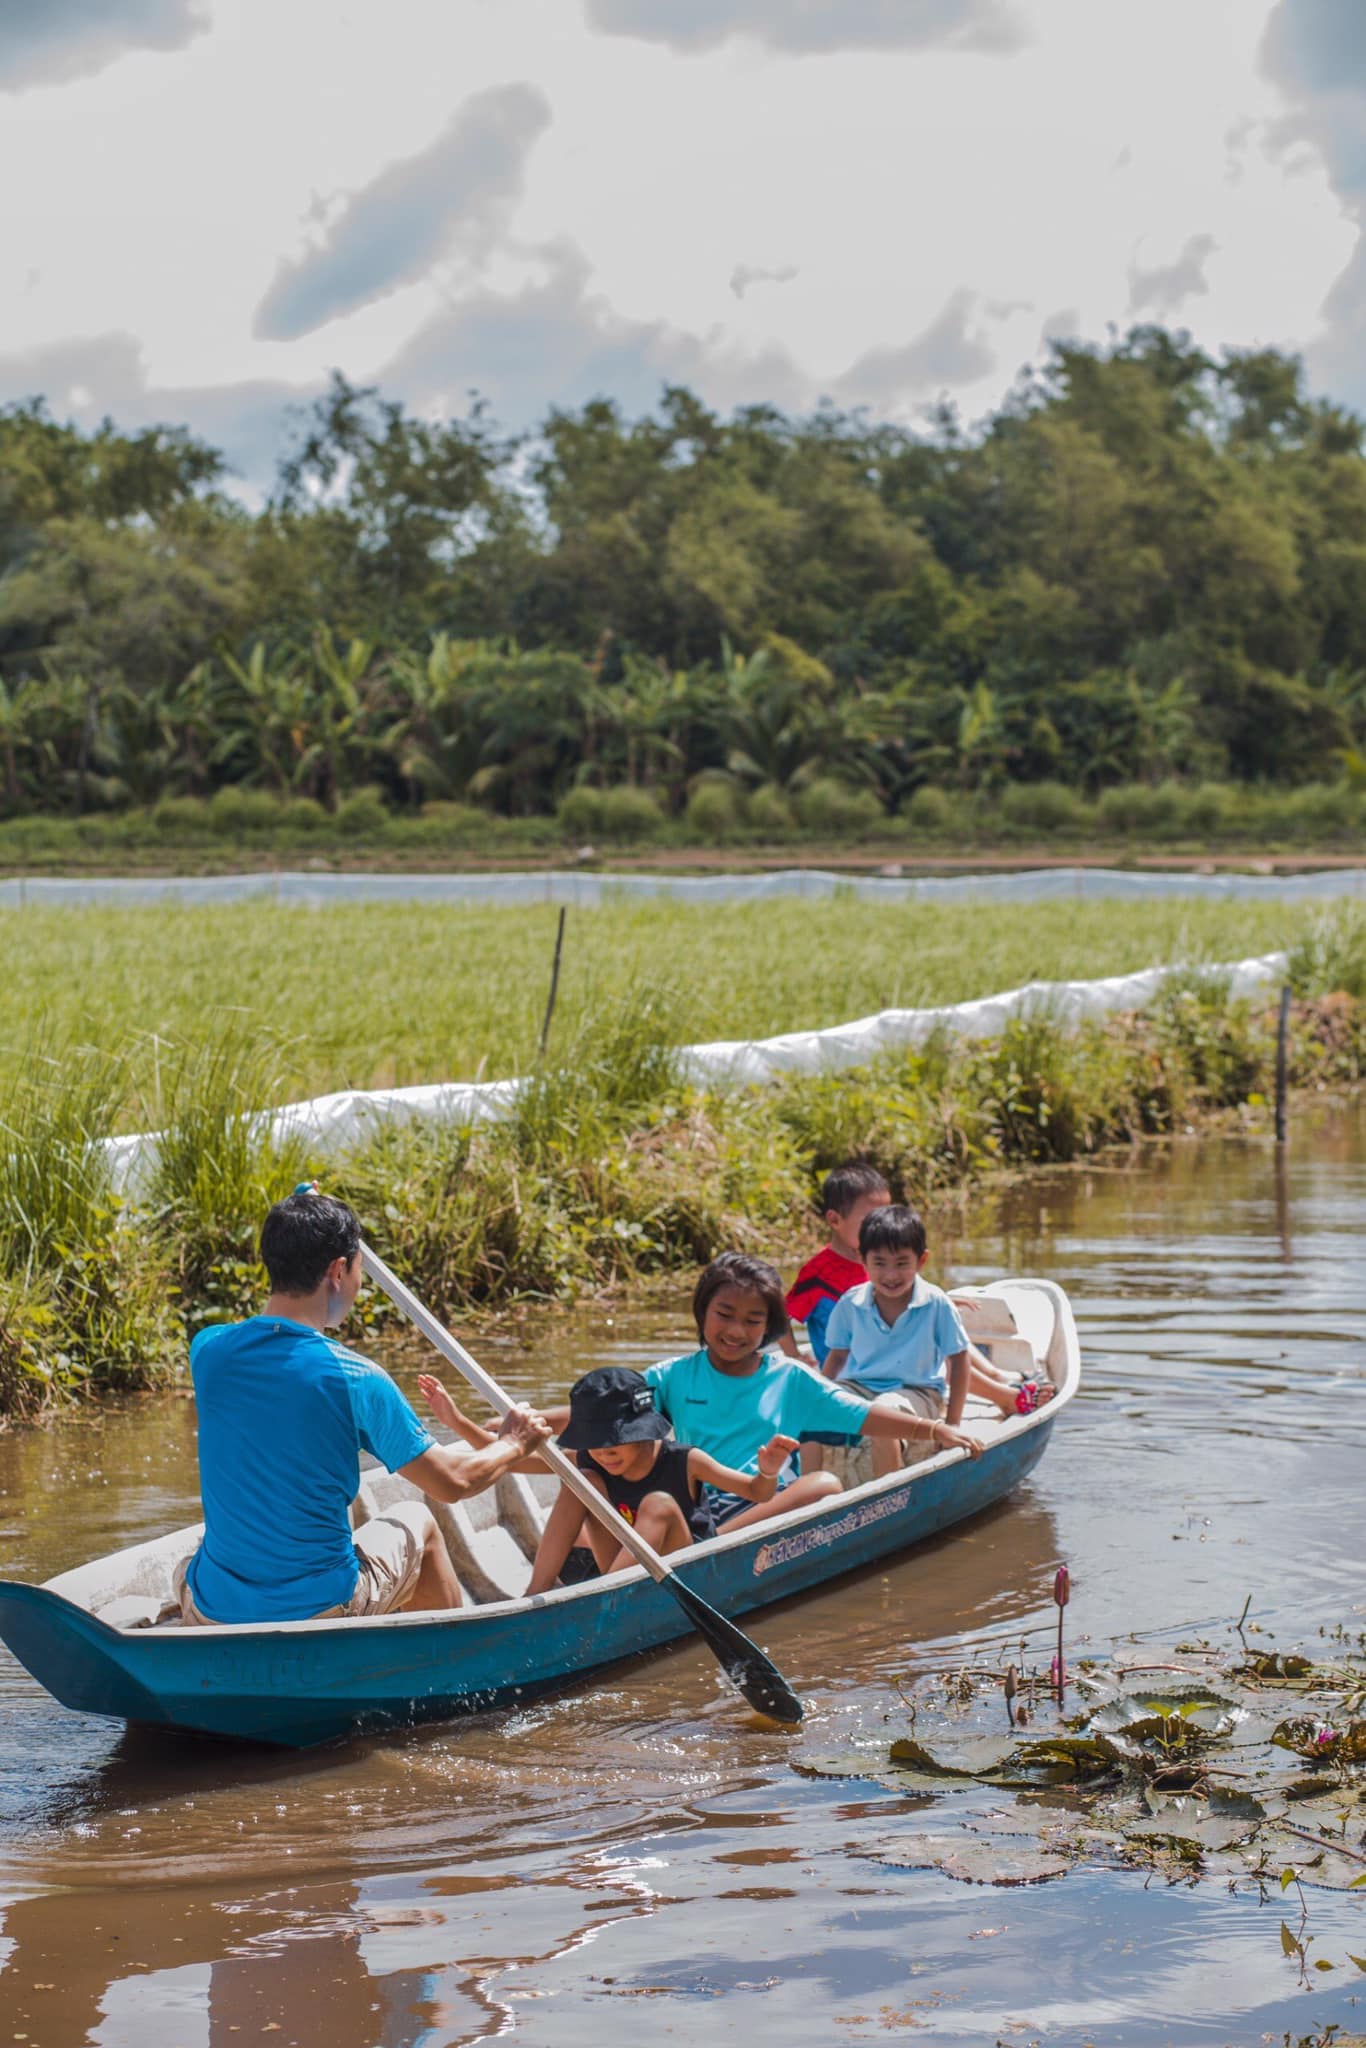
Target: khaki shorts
(388,1550)
(926,1402)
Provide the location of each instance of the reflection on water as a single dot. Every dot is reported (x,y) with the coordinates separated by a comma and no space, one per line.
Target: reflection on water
(637,1857)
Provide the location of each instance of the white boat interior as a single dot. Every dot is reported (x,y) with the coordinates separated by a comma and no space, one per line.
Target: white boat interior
(1023,1326)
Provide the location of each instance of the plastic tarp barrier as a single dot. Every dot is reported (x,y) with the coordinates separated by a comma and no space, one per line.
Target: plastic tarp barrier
(1035,885)
(334,1123)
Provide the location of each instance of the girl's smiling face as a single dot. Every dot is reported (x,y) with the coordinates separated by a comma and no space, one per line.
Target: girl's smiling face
(734,1324)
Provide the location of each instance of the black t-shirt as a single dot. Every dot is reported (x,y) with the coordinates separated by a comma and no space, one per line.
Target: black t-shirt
(668,1474)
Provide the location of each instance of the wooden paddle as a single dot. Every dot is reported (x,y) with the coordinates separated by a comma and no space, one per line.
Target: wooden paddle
(743,1662)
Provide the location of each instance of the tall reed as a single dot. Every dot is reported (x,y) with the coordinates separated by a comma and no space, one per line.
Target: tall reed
(220,1159)
(86,1294)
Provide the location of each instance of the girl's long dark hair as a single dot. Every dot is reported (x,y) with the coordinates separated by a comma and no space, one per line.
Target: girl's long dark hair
(738,1269)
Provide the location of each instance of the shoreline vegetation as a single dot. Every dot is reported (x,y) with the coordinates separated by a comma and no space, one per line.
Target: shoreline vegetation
(608,1168)
(1129,824)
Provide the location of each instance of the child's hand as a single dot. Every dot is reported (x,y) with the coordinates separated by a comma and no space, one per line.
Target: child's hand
(439,1401)
(946,1438)
(775,1455)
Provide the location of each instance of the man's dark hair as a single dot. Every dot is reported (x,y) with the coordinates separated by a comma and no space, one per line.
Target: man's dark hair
(849,1184)
(893,1229)
(738,1269)
(301,1237)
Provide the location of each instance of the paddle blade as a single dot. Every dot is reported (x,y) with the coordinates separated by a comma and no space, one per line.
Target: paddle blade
(743,1662)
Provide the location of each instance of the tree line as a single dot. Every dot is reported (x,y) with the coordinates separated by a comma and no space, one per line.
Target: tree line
(1148,566)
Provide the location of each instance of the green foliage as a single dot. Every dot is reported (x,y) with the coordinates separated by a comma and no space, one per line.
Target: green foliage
(219,1165)
(831,808)
(579,813)
(362,815)
(84,1300)
(715,808)
(931,811)
(1330,955)
(1148,563)
(769,813)
(630,814)
(30,1375)
(1043,807)
(234,812)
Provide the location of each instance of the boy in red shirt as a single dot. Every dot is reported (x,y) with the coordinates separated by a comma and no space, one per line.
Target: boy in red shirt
(849,1194)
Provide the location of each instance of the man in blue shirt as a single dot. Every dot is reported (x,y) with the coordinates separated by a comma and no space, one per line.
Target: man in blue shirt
(284,1412)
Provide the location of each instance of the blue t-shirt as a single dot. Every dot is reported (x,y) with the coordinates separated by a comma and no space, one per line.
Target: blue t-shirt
(908,1353)
(732,1416)
(284,1413)
(818,1329)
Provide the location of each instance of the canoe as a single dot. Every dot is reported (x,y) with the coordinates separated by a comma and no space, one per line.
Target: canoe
(102,1640)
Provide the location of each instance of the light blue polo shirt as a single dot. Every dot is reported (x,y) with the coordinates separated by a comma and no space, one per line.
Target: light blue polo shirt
(731,1416)
(910,1353)
(284,1413)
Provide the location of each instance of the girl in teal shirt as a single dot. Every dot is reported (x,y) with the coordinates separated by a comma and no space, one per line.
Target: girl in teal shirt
(734,1393)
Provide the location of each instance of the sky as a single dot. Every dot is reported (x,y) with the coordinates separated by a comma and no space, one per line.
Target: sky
(211,204)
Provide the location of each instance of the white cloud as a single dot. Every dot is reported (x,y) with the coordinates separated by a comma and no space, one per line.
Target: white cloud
(929,203)
(1315,51)
(45,42)
(953,351)
(458,193)
(813,26)
(1166,288)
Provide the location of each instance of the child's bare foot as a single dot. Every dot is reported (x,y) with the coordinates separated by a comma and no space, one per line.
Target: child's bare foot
(1025,1398)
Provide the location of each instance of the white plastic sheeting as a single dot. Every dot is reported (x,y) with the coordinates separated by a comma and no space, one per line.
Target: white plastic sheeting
(333,1123)
(1035,885)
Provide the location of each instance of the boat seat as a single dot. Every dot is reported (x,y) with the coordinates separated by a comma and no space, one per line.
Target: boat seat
(488,1562)
(520,1510)
(1010,1354)
(983,1315)
(132,1610)
(142,1575)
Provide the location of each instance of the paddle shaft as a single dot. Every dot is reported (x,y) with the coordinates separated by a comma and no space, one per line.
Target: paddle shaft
(483,1383)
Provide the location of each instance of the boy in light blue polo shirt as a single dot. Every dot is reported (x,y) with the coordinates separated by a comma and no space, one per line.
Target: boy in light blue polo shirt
(896,1334)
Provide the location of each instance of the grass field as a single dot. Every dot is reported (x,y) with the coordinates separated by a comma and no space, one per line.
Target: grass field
(609,1165)
(370,995)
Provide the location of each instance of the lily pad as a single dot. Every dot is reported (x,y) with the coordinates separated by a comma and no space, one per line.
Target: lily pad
(1217,1821)
(1271,1664)
(972,1859)
(976,1756)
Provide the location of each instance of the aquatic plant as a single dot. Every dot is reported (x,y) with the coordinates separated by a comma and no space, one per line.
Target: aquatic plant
(87,1298)
(1200,1773)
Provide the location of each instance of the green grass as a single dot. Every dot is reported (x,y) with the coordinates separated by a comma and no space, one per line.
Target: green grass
(374,996)
(610,1165)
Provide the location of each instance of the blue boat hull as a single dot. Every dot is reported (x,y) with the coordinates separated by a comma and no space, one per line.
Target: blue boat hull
(302,1683)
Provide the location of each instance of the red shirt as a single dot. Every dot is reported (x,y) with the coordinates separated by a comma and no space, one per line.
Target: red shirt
(823,1278)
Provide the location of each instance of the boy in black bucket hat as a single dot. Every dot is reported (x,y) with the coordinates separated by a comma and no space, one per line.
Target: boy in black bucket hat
(626,1449)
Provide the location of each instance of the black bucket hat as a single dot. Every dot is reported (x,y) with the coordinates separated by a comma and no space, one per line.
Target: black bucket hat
(611,1405)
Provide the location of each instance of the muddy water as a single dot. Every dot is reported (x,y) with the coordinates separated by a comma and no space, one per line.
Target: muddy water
(637,1860)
